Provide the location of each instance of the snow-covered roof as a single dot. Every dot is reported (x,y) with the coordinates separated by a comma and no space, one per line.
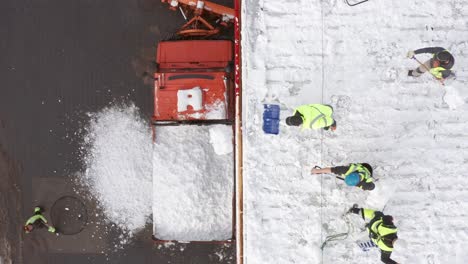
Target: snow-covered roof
(413,131)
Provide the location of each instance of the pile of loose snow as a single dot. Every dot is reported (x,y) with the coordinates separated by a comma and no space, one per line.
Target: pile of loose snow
(193,183)
(193,175)
(117,155)
(297,52)
(452,97)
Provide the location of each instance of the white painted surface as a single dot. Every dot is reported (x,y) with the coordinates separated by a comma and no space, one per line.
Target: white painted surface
(189,98)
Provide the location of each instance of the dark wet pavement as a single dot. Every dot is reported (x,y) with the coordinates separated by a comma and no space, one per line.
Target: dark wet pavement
(59,60)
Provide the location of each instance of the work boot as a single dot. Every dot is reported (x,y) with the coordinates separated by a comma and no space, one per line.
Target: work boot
(410,73)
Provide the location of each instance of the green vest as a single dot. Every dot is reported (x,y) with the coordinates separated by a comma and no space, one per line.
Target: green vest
(37,217)
(437,72)
(34,218)
(380,231)
(315,116)
(364,173)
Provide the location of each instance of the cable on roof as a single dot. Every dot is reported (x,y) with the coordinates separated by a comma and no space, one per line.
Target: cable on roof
(356,3)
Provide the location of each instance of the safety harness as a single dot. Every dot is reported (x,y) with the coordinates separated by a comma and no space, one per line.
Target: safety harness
(364,173)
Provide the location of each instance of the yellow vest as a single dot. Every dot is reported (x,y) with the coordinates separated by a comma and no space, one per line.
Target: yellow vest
(315,116)
(363,172)
(437,72)
(379,229)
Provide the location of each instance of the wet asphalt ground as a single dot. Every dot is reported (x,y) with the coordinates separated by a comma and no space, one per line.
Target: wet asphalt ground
(60,60)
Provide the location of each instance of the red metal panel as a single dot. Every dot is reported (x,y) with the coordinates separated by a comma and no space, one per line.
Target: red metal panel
(214,91)
(194,53)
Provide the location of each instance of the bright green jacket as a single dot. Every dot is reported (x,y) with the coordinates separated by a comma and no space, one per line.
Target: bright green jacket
(437,72)
(315,116)
(378,230)
(38,216)
(34,218)
(364,173)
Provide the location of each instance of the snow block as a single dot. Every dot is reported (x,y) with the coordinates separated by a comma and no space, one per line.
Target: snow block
(271,114)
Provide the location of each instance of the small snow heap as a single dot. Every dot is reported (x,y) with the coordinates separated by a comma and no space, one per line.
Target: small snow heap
(221,139)
(452,98)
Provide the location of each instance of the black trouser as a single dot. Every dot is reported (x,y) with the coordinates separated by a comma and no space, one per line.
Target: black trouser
(385,257)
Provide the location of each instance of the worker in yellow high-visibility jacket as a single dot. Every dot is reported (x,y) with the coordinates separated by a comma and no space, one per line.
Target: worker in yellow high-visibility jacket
(37,221)
(314,116)
(381,229)
(355,174)
(439,65)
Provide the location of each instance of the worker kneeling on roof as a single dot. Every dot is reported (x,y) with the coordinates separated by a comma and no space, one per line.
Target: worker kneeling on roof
(439,65)
(382,231)
(313,116)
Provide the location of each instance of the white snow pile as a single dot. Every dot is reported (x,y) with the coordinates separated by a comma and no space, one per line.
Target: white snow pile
(221,139)
(193,181)
(353,58)
(452,97)
(117,155)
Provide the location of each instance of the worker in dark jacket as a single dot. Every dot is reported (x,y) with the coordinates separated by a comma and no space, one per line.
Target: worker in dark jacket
(37,221)
(313,116)
(439,65)
(355,174)
(382,231)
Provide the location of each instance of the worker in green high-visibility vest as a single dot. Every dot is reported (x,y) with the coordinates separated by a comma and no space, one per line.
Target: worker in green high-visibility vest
(439,65)
(382,231)
(354,174)
(313,116)
(37,221)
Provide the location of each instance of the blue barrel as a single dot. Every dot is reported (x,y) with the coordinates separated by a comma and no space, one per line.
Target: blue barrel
(271,118)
